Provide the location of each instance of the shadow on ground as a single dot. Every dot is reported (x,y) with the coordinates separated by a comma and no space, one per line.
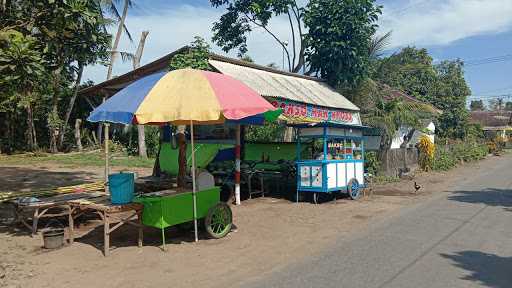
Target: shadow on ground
(489,196)
(485,269)
(127,235)
(26,179)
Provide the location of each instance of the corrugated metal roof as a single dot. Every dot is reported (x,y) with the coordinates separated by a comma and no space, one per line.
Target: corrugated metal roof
(286,86)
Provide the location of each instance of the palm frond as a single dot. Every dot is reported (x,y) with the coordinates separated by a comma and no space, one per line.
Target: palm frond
(126,56)
(378,44)
(111,7)
(127,32)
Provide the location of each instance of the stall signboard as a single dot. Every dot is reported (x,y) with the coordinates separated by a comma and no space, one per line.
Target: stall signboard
(315,113)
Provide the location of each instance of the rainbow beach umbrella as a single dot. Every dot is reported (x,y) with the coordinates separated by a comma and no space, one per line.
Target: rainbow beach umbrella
(185,97)
(181,96)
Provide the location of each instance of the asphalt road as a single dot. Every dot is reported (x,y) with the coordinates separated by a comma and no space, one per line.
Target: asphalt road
(460,238)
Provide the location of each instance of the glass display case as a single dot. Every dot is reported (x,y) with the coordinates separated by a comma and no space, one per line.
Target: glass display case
(336,161)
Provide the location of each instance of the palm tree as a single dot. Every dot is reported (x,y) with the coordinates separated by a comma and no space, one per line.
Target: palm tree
(121,18)
(389,116)
(378,44)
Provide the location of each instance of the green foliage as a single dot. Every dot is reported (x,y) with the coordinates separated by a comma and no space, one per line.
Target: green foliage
(474,132)
(270,132)
(196,57)
(338,40)
(52,40)
(449,94)
(448,156)
(410,71)
(127,137)
(508,106)
(152,137)
(21,69)
(388,116)
(477,105)
(247,58)
(371,163)
(233,26)
(442,85)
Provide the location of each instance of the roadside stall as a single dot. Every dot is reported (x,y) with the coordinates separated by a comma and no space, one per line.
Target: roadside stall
(185,97)
(336,165)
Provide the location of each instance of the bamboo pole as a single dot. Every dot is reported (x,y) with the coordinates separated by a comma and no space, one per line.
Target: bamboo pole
(107,170)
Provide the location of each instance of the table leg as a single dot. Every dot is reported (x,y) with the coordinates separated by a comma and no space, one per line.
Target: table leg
(35,219)
(163,238)
(262,186)
(106,231)
(249,184)
(141,228)
(71,224)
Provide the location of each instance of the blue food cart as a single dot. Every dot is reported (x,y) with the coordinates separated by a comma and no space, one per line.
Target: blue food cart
(334,161)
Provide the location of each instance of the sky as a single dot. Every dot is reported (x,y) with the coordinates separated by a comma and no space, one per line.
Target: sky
(470,30)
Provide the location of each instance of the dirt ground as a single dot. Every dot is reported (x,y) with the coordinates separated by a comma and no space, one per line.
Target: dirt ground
(271,233)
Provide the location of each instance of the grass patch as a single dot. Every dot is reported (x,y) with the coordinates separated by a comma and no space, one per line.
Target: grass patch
(77,159)
(382,179)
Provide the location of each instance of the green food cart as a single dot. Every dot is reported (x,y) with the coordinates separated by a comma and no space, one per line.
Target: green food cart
(168,208)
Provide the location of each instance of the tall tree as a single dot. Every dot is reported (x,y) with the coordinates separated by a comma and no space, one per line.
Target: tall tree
(243,16)
(121,19)
(120,28)
(21,68)
(477,105)
(443,85)
(389,116)
(136,63)
(508,106)
(497,104)
(410,70)
(378,44)
(339,37)
(67,32)
(450,96)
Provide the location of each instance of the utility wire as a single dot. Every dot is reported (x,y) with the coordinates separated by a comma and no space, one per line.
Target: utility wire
(494,90)
(477,97)
(490,60)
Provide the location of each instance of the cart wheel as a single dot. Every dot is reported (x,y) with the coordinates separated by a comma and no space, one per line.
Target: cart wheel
(219,220)
(354,191)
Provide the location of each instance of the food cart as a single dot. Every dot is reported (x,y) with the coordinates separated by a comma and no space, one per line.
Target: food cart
(185,97)
(335,161)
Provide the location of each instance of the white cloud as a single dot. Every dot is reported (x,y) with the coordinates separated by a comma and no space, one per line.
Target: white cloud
(438,22)
(173,28)
(414,22)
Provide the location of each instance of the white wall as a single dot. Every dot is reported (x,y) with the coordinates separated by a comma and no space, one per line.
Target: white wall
(429,130)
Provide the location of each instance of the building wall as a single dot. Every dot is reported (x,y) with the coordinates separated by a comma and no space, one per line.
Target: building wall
(399,161)
(430,129)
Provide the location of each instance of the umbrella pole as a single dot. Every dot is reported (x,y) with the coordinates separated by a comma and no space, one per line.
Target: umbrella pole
(194,197)
(237,166)
(105,138)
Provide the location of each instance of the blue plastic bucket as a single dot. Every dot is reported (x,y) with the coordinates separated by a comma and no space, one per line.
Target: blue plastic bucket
(121,187)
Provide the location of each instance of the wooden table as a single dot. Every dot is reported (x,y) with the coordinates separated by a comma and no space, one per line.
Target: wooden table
(109,214)
(49,207)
